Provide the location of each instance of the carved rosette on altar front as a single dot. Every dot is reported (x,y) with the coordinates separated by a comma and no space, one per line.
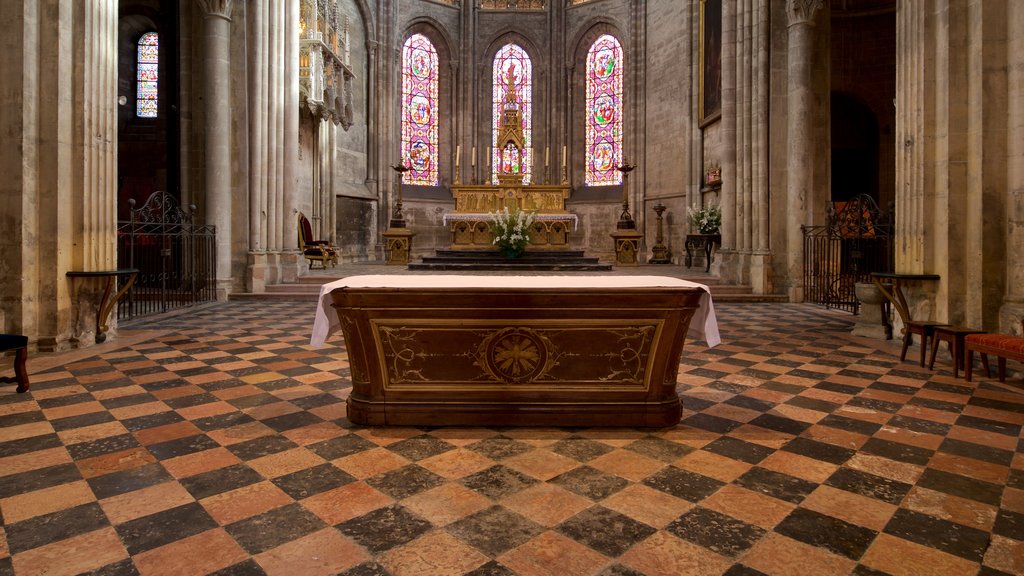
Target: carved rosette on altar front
(325,70)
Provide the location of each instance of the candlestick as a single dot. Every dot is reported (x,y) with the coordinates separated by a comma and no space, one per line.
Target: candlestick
(472,157)
(458,153)
(563,156)
(547,150)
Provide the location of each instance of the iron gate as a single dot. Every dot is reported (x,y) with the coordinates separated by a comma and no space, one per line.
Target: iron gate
(176,259)
(856,241)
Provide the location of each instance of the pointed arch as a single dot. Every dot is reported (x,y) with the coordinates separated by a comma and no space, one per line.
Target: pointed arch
(420,110)
(512,58)
(604,112)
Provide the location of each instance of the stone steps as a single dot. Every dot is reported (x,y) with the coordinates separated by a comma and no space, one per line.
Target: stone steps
(530,261)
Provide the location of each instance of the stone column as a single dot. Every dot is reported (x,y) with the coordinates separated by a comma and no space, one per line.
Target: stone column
(217,145)
(1013,307)
(800,167)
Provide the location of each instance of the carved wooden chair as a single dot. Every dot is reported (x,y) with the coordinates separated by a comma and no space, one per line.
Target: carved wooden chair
(315,250)
(19,344)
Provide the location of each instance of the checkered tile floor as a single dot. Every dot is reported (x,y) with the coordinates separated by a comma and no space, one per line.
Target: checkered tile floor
(221,446)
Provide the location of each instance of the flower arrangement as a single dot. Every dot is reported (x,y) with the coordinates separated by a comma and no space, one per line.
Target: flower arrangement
(706,220)
(511,230)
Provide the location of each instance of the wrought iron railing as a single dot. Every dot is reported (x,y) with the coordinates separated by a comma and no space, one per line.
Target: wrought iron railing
(856,241)
(176,259)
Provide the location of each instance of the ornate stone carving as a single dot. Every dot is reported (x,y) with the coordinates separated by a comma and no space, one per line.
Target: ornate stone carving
(803,11)
(325,72)
(221,8)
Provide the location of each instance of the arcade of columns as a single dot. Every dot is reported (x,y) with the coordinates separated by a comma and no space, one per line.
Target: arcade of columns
(959,166)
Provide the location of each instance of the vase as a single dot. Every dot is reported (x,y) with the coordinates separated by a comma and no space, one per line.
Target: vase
(512,251)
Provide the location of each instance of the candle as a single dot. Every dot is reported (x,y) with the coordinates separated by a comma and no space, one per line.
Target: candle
(473,157)
(563,156)
(547,150)
(458,154)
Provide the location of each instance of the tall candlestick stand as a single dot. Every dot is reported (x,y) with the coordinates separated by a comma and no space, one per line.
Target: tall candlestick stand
(625,219)
(397,220)
(659,252)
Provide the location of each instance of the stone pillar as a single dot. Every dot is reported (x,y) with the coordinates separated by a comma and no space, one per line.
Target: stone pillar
(217,145)
(1013,307)
(800,166)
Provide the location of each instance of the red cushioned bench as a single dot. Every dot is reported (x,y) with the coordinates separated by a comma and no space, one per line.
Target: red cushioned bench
(1003,346)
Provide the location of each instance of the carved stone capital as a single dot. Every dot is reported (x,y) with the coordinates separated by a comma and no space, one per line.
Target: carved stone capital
(803,11)
(216,8)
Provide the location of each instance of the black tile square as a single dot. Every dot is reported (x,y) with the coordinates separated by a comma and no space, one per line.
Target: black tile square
(750,403)
(129,480)
(270,529)
(182,446)
(497,482)
(869,485)
(840,388)
(26,445)
(120,568)
(875,404)
(311,481)
(262,446)
(989,425)
(957,539)
(812,404)
(164,527)
(221,421)
(492,568)
(190,400)
(420,447)
(619,570)
(590,482)
(718,532)
(499,447)
(659,448)
(780,424)
(709,422)
(738,449)
(221,480)
(292,421)
(316,401)
(152,420)
(977,451)
(47,528)
(897,451)
(494,530)
(580,449)
(919,425)
(405,481)
(606,531)
(776,485)
(59,401)
(82,420)
(827,532)
(850,424)
(385,528)
(962,486)
(1009,524)
(819,450)
(20,418)
(683,484)
(341,446)
(102,446)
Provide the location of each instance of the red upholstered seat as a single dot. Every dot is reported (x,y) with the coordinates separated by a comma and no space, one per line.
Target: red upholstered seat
(1003,346)
(1011,344)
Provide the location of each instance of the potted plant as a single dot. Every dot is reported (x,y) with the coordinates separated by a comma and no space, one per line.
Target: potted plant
(511,230)
(707,220)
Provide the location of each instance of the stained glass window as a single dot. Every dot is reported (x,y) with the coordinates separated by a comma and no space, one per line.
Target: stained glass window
(419,110)
(513,57)
(149,65)
(604,112)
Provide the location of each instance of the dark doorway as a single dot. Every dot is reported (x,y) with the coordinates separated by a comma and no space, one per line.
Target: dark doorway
(854,149)
(148,142)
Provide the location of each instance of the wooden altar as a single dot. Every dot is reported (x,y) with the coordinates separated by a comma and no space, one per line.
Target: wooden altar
(469,224)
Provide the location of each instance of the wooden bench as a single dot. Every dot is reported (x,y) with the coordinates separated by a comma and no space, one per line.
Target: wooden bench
(1002,346)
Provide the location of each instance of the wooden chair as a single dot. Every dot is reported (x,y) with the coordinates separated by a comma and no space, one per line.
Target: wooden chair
(954,336)
(315,250)
(925,329)
(19,344)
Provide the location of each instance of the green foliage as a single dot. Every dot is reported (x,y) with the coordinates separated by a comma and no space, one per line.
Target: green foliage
(706,220)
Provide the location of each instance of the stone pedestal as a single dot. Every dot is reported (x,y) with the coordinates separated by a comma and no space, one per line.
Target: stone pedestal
(397,246)
(627,247)
(871,321)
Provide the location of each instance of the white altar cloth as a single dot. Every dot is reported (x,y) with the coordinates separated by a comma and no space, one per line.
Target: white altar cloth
(703,326)
(485,217)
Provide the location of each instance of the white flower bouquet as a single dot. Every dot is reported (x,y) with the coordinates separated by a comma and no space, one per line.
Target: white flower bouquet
(511,230)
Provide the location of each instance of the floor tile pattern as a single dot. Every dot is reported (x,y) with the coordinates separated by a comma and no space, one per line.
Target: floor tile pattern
(220,446)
